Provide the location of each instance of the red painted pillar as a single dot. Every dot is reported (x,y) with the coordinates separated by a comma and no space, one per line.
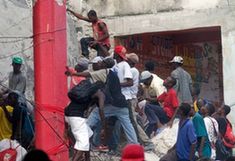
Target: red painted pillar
(50,58)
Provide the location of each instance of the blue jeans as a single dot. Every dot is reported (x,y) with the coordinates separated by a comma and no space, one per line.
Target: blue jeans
(113,137)
(154,114)
(122,115)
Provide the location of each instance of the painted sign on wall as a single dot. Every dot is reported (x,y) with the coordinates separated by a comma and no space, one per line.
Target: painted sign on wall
(202,60)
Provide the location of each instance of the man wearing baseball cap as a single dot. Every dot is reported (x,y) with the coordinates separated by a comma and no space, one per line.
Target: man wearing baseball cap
(123,70)
(152,85)
(132,60)
(82,65)
(17,80)
(183,86)
(96,63)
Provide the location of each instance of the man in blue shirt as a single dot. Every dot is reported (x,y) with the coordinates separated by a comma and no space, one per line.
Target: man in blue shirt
(184,149)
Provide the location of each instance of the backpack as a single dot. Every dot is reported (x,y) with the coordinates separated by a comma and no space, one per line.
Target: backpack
(229,138)
(9,154)
(27,130)
(82,92)
(113,93)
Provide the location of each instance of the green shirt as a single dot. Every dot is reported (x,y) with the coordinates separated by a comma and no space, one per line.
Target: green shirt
(200,130)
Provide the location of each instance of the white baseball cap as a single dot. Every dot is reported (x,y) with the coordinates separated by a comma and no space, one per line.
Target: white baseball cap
(145,75)
(177,59)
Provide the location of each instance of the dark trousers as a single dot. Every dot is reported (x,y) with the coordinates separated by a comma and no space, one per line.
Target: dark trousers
(154,114)
(85,42)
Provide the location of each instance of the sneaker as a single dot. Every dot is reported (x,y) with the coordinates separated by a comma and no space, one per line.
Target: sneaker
(101,148)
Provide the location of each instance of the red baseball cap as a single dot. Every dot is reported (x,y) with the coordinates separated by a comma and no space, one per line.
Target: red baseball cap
(133,152)
(121,51)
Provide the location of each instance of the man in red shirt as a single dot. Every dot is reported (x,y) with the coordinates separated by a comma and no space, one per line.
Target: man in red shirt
(100,40)
(157,115)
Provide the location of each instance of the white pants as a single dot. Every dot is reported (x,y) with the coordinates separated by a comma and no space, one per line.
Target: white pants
(81,132)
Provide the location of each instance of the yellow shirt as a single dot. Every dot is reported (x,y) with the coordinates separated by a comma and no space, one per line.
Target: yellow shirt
(156,87)
(5,125)
(195,106)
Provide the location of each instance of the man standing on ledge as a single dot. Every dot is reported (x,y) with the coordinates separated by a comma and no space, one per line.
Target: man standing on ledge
(100,40)
(183,85)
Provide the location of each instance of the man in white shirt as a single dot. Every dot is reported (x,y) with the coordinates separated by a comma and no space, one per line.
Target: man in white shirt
(119,84)
(132,60)
(123,70)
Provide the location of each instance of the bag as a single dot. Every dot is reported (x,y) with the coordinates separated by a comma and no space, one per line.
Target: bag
(9,154)
(27,128)
(82,92)
(221,152)
(113,92)
(229,138)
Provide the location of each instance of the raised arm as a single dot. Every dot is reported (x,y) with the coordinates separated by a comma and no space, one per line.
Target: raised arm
(79,16)
(101,97)
(81,74)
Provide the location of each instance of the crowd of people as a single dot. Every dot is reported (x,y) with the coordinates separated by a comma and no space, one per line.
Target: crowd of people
(201,124)
(116,88)
(105,102)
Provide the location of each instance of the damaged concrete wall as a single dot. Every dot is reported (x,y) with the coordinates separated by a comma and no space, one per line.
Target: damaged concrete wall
(16,22)
(123,17)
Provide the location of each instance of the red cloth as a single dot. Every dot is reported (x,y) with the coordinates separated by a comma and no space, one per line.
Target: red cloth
(229,137)
(75,80)
(170,102)
(133,152)
(97,32)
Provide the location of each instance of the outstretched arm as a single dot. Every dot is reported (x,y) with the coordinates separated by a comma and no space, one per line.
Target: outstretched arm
(81,74)
(101,97)
(79,16)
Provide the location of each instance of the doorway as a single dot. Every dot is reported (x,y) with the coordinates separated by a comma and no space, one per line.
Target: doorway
(201,49)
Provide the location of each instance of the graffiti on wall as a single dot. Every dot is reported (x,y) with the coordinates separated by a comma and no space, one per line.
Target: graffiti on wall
(201,60)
